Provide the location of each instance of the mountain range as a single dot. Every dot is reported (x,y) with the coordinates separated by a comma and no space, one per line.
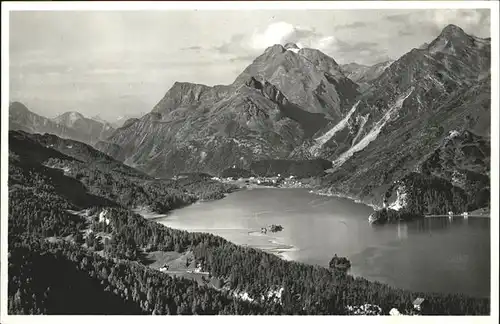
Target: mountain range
(71,125)
(120,120)
(72,225)
(408,112)
(364,74)
(375,124)
(413,134)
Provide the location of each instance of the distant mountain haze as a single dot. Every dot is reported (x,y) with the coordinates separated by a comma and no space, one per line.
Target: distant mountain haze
(72,125)
(362,74)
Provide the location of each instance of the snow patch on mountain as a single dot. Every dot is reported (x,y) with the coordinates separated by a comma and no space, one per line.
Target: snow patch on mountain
(372,135)
(320,141)
(364,119)
(292,47)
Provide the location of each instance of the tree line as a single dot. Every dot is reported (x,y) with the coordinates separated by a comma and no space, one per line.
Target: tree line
(62,278)
(59,277)
(307,289)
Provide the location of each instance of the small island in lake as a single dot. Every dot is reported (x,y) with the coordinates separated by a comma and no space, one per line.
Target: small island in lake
(273,228)
(340,263)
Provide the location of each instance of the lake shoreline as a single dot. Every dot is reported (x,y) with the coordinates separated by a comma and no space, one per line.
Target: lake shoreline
(292,246)
(295,184)
(273,247)
(282,252)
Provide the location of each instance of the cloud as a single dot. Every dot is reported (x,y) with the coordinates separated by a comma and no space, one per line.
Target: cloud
(242,58)
(366,52)
(406,32)
(398,17)
(105,52)
(191,48)
(355,25)
(235,44)
(473,21)
(281,33)
(345,47)
(412,27)
(275,33)
(243,47)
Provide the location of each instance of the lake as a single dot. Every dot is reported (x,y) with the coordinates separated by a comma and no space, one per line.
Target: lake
(436,254)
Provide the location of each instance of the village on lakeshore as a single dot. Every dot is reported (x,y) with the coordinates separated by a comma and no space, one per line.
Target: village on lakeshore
(276,181)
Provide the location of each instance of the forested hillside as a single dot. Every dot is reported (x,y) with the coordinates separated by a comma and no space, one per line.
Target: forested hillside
(88,240)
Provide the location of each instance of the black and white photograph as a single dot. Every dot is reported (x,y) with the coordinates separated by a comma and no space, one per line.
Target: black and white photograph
(249,158)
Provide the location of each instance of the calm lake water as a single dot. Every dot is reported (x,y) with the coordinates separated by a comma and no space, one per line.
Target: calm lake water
(436,254)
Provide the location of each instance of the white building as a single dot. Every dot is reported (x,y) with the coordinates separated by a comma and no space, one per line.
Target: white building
(394,312)
(418,304)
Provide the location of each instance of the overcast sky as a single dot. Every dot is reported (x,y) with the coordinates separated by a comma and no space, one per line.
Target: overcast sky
(120,63)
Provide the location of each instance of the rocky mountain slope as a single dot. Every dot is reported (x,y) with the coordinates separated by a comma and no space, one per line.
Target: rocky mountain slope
(284,97)
(72,125)
(71,227)
(123,119)
(81,173)
(413,86)
(92,130)
(21,118)
(293,103)
(363,74)
(307,77)
(408,112)
(91,157)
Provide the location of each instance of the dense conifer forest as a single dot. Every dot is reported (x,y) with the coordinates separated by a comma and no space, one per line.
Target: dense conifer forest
(66,261)
(425,194)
